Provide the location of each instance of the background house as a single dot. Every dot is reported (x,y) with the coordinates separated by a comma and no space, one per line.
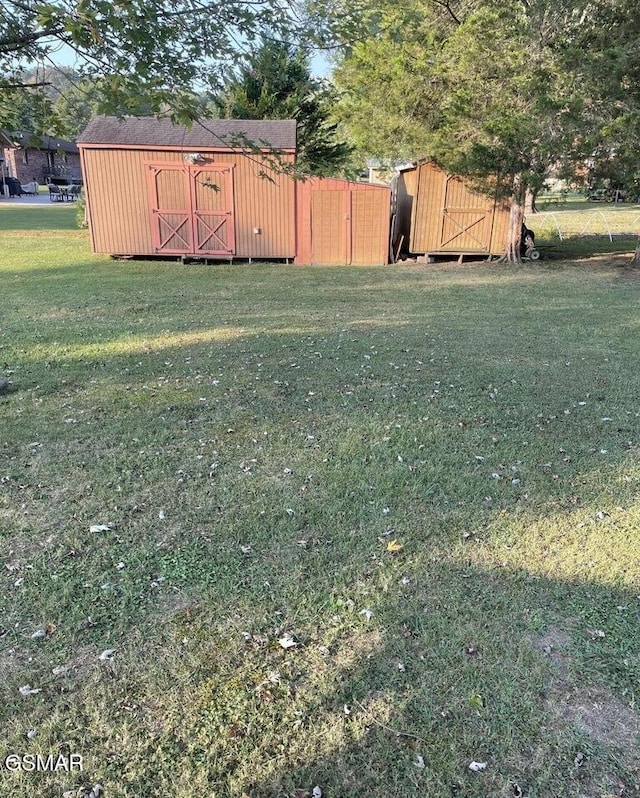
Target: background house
(42,158)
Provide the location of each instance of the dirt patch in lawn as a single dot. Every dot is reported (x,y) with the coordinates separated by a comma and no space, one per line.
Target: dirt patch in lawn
(592,710)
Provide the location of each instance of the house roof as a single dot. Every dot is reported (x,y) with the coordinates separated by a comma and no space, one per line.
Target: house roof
(23,140)
(209,133)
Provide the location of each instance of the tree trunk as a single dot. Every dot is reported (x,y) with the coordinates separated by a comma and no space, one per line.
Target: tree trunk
(516,216)
(530,202)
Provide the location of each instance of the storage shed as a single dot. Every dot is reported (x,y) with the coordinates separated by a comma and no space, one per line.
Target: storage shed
(342,222)
(438,214)
(155,188)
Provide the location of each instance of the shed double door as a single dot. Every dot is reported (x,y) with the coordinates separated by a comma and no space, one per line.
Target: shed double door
(346,226)
(191,209)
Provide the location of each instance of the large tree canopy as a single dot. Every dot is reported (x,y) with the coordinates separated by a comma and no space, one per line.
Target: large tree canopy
(150,54)
(494,91)
(275,82)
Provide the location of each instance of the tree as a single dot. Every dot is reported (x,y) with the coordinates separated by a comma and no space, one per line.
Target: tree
(611,35)
(275,82)
(151,54)
(53,100)
(490,90)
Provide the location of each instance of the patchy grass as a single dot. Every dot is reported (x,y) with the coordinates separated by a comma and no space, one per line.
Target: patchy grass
(250,439)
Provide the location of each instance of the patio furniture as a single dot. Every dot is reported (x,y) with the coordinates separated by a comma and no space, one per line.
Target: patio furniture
(30,188)
(55,195)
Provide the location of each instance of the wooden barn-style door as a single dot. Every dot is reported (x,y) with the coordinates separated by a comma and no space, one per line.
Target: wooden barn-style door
(191,209)
(466,219)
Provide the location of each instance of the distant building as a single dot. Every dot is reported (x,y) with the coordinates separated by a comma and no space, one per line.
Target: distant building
(384,171)
(42,158)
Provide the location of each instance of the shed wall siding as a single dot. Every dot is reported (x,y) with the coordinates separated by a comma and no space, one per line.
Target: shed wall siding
(116,185)
(352,227)
(405,197)
(370,227)
(448,217)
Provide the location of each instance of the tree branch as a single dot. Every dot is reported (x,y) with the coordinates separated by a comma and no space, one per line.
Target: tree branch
(447,5)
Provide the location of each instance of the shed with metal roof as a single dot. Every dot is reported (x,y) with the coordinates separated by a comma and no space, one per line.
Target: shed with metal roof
(219,189)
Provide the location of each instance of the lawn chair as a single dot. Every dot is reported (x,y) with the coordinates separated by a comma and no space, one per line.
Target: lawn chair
(55,195)
(74,192)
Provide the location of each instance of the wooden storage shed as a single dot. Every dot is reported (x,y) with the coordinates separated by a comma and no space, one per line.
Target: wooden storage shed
(342,222)
(438,214)
(154,188)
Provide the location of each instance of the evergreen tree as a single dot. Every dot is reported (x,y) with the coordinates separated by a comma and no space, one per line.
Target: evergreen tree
(496,92)
(275,82)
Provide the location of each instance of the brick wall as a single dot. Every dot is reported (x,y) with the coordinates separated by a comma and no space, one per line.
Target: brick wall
(38,166)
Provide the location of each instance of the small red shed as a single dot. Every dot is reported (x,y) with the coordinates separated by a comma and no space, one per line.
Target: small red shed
(439,214)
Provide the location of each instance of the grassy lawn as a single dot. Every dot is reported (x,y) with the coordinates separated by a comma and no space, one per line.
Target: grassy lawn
(265,528)
(574,228)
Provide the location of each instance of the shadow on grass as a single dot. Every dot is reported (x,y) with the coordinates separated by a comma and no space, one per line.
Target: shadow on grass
(253,486)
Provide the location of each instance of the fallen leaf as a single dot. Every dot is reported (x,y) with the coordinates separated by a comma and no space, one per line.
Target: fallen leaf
(94,528)
(60,670)
(107,654)
(28,690)
(476,701)
(245,549)
(368,614)
(394,547)
(286,641)
(476,766)
(419,762)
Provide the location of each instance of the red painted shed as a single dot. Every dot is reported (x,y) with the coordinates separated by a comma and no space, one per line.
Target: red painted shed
(155,188)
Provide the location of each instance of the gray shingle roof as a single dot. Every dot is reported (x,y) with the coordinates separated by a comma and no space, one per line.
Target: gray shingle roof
(149,131)
(28,141)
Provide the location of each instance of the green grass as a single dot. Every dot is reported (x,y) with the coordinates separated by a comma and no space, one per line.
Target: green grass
(255,437)
(576,228)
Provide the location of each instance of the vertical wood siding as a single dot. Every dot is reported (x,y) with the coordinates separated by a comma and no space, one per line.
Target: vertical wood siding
(342,222)
(447,217)
(370,226)
(119,203)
